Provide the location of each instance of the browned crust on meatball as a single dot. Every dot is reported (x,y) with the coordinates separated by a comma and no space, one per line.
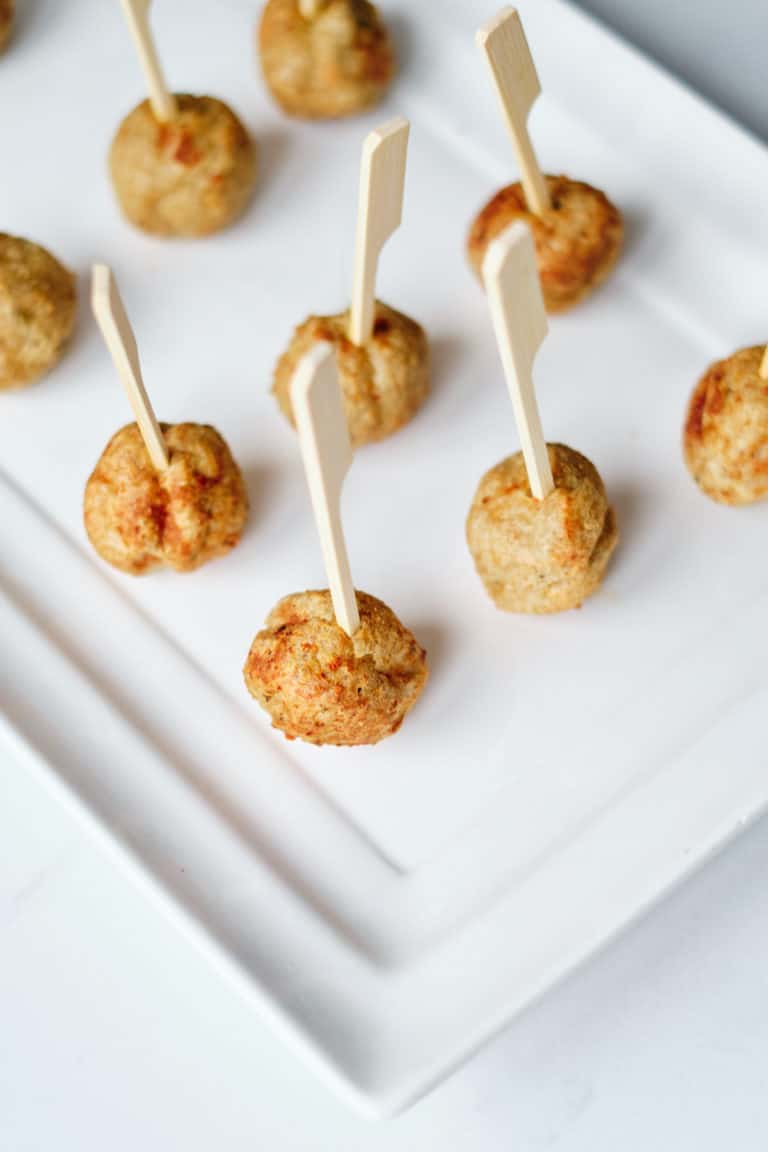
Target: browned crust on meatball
(725,439)
(138,518)
(6,21)
(338,63)
(541,555)
(577,241)
(324,687)
(384,382)
(190,177)
(38,302)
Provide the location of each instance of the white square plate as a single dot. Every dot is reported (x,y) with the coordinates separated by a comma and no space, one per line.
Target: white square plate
(392,907)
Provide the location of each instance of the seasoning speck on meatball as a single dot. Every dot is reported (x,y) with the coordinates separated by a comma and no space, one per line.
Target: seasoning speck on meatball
(725,440)
(334,63)
(38,301)
(188,177)
(383,383)
(138,518)
(541,555)
(324,687)
(6,21)
(577,240)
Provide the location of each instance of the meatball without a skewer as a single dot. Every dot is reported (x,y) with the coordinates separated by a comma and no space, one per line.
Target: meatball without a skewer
(577,240)
(383,383)
(335,62)
(324,687)
(188,177)
(6,21)
(541,555)
(194,510)
(38,301)
(725,441)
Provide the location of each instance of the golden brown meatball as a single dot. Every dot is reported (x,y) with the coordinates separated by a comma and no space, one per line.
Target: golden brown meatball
(384,382)
(193,511)
(577,241)
(38,301)
(324,687)
(6,21)
(188,177)
(541,555)
(335,63)
(725,441)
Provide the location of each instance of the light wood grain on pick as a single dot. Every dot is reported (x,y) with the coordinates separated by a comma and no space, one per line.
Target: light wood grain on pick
(520,322)
(517,84)
(121,342)
(327,454)
(764,364)
(379,211)
(137,17)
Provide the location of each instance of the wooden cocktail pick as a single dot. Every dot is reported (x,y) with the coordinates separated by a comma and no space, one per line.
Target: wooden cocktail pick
(121,342)
(162,101)
(520,323)
(327,455)
(379,211)
(764,364)
(517,84)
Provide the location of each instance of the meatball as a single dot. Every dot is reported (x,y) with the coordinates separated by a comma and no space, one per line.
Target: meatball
(324,687)
(725,441)
(188,177)
(6,21)
(193,511)
(577,241)
(335,63)
(384,382)
(541,555)
(38,301)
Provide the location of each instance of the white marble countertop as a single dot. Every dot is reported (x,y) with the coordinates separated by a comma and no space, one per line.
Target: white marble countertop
(115,1034)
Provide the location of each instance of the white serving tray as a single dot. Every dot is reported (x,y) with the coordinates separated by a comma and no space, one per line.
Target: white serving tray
(391,908)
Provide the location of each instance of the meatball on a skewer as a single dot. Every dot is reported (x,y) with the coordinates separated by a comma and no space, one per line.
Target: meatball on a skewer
(383,355)
(540,528)
(38,302)
(384,382)
(577,231)
(161,494)
(541,555)
(324,687)
(334,666)
(324,59)
(180,165)
(139,518)
(725,440)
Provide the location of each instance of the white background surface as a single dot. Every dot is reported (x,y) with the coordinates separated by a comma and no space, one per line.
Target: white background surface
(113,1033)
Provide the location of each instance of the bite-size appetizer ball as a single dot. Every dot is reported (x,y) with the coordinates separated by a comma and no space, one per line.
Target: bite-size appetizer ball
(334,61)
(6,21)
(38,302)
(383,382)
(725,441)
(138,518)
(577,240)
(541,555)
(189,176)
(324,687)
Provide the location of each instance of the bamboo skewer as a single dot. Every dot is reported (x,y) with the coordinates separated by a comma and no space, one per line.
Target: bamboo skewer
(517,85)
(121,342)
(764,364)
(520,323)
(162,101)
(380,209)
(327,454)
